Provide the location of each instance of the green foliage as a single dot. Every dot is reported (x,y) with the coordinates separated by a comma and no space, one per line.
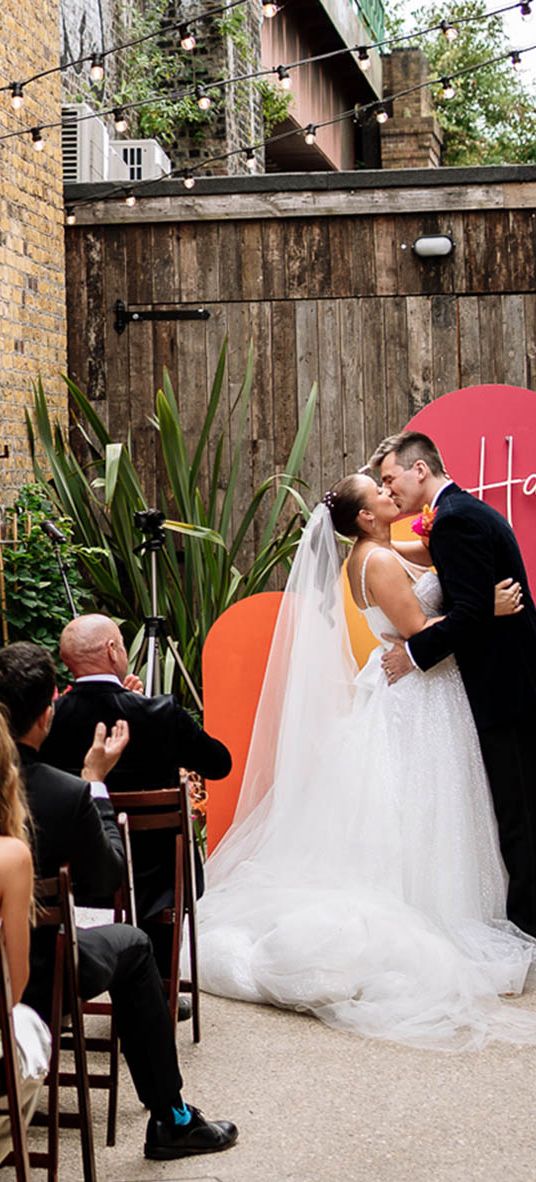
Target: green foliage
(199,583)
(36,606)
(275,103)
(492,118)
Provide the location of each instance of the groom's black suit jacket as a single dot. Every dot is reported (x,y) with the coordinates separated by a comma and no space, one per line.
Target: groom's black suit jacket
(473,547)
(163,737)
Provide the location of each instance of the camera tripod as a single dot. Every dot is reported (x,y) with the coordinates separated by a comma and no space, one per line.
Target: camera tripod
(156,636)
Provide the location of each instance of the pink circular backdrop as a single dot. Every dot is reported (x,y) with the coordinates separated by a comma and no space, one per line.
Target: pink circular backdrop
(487,436)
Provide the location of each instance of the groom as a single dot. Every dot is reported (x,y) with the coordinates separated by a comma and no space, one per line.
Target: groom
(472,548)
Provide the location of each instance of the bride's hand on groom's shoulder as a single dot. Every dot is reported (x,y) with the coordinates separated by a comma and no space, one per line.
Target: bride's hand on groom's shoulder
(396,663)
(508,598)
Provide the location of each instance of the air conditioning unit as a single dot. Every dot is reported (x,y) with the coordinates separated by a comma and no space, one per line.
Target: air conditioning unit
(85,145)
(144,159)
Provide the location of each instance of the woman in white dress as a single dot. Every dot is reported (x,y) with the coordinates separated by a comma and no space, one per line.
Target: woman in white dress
(362,879)
(16,907)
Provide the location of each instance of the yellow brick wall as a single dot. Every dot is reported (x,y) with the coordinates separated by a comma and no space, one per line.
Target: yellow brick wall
(32,277)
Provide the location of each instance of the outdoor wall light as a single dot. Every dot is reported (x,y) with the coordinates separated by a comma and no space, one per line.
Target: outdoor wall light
(431,246)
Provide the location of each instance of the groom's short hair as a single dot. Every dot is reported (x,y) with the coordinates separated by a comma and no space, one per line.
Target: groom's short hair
(409,446)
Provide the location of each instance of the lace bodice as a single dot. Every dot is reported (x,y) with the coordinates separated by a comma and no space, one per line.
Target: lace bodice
(426,588)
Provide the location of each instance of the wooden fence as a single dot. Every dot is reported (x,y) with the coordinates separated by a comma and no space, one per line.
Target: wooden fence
(320,274)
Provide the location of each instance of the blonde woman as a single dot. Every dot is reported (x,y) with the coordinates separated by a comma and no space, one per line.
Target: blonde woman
(16,910)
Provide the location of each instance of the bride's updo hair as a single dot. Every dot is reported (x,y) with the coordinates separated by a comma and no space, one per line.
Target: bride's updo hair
(344,501)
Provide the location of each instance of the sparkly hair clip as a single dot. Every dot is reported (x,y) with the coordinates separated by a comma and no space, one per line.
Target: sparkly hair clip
(329,498)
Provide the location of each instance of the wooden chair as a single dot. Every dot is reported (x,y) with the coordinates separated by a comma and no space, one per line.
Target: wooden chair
(124,912)
(19,1157)
(56,909)
(169,809)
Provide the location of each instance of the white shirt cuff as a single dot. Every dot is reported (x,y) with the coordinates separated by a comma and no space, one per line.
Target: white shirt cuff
(410,655)
(99,791)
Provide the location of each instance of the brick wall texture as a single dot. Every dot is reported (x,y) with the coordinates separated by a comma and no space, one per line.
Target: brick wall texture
(32,281)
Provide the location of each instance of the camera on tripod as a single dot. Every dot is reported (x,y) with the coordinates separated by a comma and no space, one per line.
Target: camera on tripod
(149,521)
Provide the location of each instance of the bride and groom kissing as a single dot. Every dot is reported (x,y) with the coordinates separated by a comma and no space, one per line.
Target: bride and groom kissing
(362,879)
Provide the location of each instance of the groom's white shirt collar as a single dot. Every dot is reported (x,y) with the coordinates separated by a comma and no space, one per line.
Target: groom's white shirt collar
(440,492)
(100,677)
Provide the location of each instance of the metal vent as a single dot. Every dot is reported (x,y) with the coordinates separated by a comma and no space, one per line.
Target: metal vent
(69,144)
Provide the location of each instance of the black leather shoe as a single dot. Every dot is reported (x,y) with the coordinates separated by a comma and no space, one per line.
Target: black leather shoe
(184,1011)
(165,1142)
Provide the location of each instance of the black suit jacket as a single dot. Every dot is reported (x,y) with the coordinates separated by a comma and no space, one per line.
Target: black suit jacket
(473,547)
(68,827)
(163,737)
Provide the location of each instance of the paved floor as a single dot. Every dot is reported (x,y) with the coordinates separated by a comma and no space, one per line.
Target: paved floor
(314,1105)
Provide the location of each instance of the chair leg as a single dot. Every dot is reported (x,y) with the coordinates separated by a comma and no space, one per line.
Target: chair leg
(54,1072)
(190,902)
(111,1126)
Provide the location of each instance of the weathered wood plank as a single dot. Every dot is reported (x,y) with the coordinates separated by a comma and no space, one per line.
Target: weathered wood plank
(75,269)
(192,385)
(273,259)
(139,275)
(239,326)
(262,410)
(331,412)
(341,234)
(515,360)
(117,353)
(491,339)
(362,260)
(230,260)
(469,341)
(251,251)
(187,273)
(215,334)
(385,251)
(285,379)
(307,372)
(476,250)
(163,265)
(352,392)
(420,366)
(373,373)
(444,353)
(297,259)
(205,282)
(530,339)
(141,381)
(497,270)
(397,391)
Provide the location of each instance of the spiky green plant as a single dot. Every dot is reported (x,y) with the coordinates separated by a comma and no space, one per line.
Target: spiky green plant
(210,574)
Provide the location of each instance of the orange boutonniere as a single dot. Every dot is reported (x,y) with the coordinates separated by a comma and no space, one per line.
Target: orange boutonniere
(422,525)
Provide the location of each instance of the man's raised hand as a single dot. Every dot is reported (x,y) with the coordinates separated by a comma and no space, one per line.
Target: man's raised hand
(105,750)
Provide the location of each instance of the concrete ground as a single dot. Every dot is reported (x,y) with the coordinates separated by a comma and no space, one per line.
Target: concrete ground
(315,1105)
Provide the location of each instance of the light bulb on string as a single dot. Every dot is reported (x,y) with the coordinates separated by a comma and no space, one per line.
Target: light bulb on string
(204,100)
(120,122)
(37,139)
(284,77)
(363,58)
(130,200)
(188,41)
(70,216)
(17,97)
(448,90)
(310,134)
(381,115)
(251,163)
(515,59)
(526,10)
(188,180)
(269,9)
(96,69)
(449,31)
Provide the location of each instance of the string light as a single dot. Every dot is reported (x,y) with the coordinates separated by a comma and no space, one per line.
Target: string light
(448,91)
(120,122)
(284,77)
(269,9)
(310,134)
(70,216)
(37,139)
(363,58)
(130,199)
(204,100)
(188,41)
(17,97)
(188,180)
(515,59)
(449,31)
(96,70)
(381,114)
(526,10)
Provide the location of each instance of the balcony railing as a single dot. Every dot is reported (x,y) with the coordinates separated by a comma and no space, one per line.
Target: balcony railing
(372,14)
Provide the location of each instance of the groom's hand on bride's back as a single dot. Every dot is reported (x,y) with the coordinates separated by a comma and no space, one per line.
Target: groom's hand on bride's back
(508,598)
(396,663)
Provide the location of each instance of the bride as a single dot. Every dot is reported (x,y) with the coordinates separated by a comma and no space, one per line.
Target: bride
(361,879)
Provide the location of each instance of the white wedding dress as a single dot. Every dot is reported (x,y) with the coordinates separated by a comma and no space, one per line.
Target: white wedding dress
(362,879)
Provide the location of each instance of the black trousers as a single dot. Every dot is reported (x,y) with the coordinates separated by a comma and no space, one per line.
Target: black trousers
(119,959)
(509,753)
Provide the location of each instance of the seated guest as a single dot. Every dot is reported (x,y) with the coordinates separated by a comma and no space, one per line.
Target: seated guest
(163,738)
(74,822)
(16,904)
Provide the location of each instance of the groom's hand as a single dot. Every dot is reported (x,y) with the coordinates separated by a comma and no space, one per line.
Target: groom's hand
(396,662)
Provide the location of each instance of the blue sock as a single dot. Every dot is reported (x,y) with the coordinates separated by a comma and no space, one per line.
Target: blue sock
(181,1116)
